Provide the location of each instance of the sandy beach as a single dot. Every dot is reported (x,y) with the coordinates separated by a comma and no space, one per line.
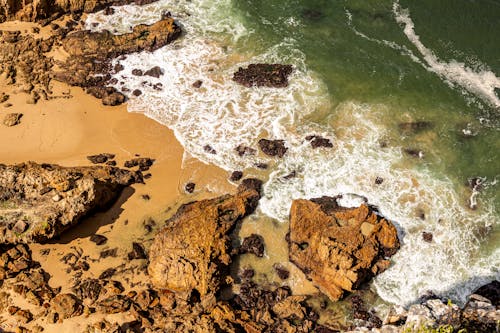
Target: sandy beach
(68,128)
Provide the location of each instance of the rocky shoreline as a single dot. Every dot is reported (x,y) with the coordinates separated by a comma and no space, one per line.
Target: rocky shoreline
(177,276)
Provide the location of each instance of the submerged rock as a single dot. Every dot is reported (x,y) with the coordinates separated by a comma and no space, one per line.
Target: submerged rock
(319,141)
(253,244)
(193,250)
(339,248)
(49,198)
(263,75)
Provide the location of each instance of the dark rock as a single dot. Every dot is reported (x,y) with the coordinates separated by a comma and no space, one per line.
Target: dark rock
(137,92)
(251,184)
(197,83)
(318,141)
(144,163)
(291,175)
(235,176)
(114,99)
(253,244)
(12,119)
(281,271)
(379,180)
(154,72)
(146,197)
(262,166)
(149,225)
(209,149)
(263,75)
(491,291)
(137,252)
(415,126)
(137,72)
(118,68)
(414,152)
(245,151)
(100,158)
(359,312)
(427,236)
(108,253)
(114,304)
(111,163)
(189,187)
(109,11)
(98,239)
(107,274)
(273,147)
(246,273)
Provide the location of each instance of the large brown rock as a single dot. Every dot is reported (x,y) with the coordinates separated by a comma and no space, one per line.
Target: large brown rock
(104,44)
(39,201)
(263,75)
(192,251)
(339,248)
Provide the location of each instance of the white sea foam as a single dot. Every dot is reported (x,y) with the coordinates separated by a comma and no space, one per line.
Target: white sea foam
(224,115)
(481,82)
(405,194)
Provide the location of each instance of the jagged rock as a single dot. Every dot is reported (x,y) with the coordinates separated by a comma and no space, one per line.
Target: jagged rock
(189,187)
(245,151)
(490,291)
(14,260)
(66,306)
(137,252)
(115,304)
(12,119)
(273,147)
(144,163)
(318,141)
(192,251)
(100,158)
(253,244)
(154,72)
(281,271)
(235,176)
(27,191)
(263,75)
(46,11)
(105,45)
(339,248)
(98,239)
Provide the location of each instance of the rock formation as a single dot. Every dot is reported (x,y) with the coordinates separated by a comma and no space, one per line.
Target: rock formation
(263,75)
(39,201)
(339,248)
(192,251)
(47,10)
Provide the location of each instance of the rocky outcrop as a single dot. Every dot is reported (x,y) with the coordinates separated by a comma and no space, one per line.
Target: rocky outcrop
(39,201)
(273,147)
(48,10)
(339,248)
(90,53)
(263,75)
(12,119)
(190,254)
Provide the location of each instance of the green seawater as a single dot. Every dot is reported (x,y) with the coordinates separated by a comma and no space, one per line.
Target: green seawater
(355,68)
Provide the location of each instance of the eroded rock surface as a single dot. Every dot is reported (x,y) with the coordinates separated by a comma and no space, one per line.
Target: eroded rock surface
(39,201)
(263,75)
(193,250)
(339,248)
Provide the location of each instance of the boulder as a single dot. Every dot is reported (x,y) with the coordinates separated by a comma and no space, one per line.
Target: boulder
(263,75)
(12,119)
(273,147)
(339,248)
(192,252)
(39,201)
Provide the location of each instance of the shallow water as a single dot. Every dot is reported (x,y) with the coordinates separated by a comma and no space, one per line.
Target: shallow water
(361,69)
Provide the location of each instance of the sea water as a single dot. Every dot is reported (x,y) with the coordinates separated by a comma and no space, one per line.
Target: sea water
(361,69)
